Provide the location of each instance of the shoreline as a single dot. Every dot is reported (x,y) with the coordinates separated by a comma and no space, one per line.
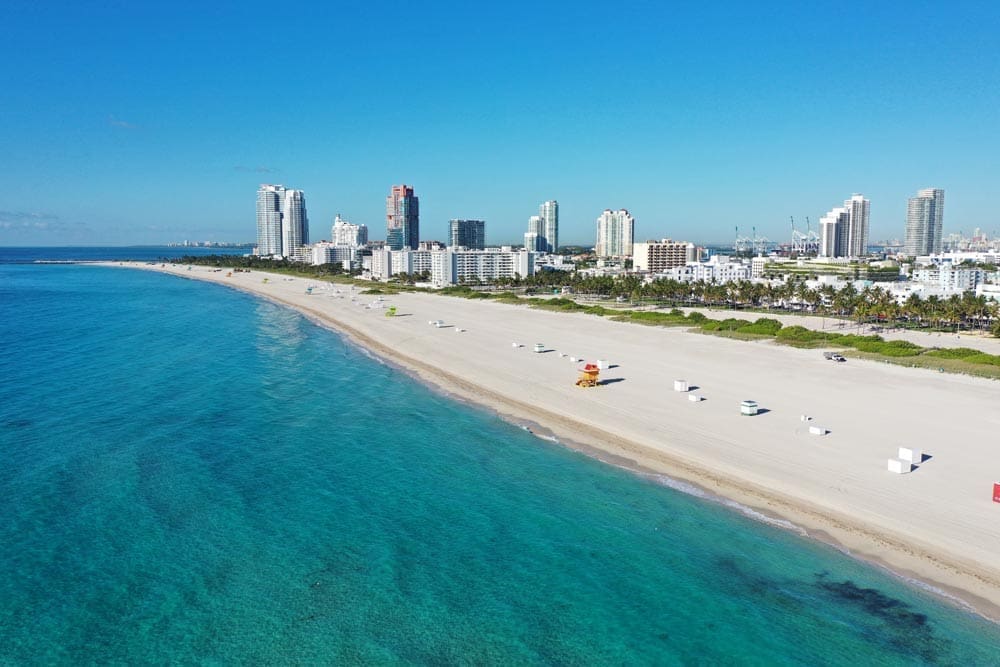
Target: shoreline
(952,578)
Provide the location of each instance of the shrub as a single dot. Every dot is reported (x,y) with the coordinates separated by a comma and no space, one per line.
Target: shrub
(952,353)
(765,326)
(800,334)
(893,348)
(729,324)
(696,317)
(654,317)
(984,359)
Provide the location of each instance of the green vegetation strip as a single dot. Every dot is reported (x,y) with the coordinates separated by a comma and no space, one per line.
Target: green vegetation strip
(954,360)
(943,364)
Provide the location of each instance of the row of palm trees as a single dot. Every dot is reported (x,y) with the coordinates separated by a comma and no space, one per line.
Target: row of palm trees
(871,304)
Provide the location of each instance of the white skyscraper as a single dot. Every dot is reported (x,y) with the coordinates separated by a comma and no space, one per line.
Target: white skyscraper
(833,233)
(924,220)
(843,232)
(615,234)
(857,225)
(549,213)
(344,233)
(269,202)
(294,223)
(282,223)
(534,238)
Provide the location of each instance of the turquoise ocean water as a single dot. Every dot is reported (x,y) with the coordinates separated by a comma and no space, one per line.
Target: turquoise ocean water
(192,475)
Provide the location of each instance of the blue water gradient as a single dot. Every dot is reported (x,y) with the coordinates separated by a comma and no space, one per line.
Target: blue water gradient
(192,475)
(15,255)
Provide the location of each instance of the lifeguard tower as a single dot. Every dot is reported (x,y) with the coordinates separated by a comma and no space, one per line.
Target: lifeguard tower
(588,375)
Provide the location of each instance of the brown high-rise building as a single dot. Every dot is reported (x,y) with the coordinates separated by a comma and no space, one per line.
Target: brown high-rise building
(402,218)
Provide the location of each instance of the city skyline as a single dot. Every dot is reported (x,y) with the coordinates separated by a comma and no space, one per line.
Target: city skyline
(727,123)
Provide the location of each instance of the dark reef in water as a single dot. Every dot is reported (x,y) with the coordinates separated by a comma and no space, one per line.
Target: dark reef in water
(907,631)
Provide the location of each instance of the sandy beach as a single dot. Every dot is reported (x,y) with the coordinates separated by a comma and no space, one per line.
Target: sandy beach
(937,524)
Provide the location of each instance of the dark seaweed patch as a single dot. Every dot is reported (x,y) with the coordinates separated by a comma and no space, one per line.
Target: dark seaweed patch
(907,631)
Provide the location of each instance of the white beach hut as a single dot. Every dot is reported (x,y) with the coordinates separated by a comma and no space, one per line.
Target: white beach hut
(900,467)
(680,385)
(911,454)
(748,408)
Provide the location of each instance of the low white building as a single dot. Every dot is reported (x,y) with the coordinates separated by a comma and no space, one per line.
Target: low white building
(718,269)
(409,261)
(991,292)
(451,267)
(552,262)
(991,256)
(949,277)
(325,252)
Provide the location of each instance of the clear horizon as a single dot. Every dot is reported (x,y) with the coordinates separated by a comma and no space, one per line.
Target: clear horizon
(146,125)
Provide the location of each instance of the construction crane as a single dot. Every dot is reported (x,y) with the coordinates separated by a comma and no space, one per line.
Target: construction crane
(743,244)
(806,243)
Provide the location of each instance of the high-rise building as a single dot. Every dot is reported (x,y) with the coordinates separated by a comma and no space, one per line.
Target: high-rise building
(549,213)
(615,234)
(402,218)
(294,223)
(534,238)
(857,225)
(843,232)
(344,233)
(924,218)
(833,229)
(469,234)
(282,222)
(269,201)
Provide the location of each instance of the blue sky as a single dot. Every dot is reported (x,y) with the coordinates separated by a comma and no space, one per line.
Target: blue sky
(122,123)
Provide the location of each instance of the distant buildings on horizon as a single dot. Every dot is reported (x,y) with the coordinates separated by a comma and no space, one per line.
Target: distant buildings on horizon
(283,227)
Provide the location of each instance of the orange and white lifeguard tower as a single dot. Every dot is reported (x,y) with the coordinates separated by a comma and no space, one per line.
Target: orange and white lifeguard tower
(588,375)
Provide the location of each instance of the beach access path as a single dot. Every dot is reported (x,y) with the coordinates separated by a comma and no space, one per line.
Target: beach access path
(937,524)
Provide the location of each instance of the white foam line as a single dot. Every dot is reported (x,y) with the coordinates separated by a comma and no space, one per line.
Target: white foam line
(749,512)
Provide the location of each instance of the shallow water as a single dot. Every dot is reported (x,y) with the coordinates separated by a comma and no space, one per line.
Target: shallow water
(194,475)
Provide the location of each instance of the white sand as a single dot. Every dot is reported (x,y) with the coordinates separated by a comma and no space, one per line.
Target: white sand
(938,524)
